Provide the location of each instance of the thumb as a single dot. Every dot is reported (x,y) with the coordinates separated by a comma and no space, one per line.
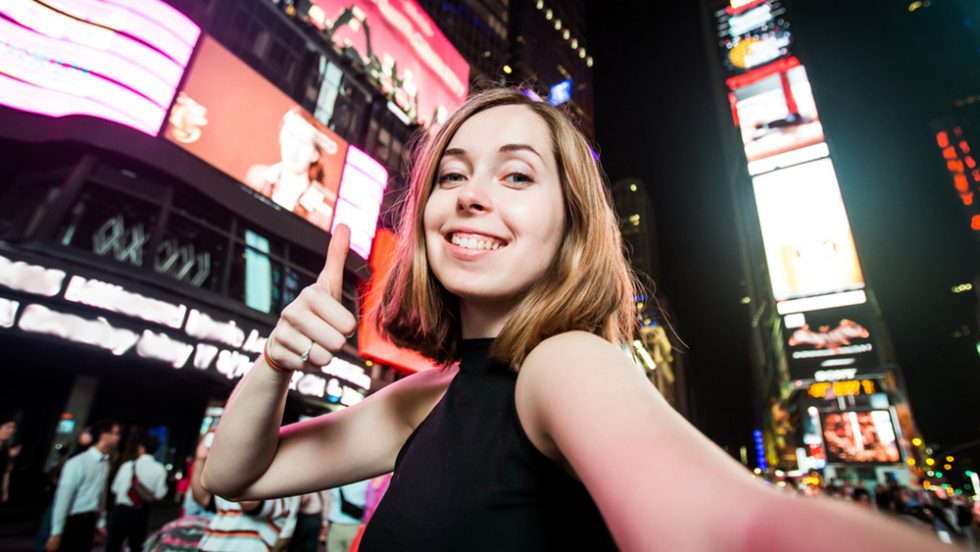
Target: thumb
(332,276)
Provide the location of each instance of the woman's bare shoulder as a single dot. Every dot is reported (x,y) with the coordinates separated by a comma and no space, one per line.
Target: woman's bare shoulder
(414,396)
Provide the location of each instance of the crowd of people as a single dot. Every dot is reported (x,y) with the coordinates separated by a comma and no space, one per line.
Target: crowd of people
(91,501)
(954,518)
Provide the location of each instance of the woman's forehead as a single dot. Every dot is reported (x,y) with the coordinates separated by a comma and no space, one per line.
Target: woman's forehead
(506,124)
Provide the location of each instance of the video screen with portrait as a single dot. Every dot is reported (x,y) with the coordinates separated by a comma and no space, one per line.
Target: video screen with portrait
(860,437)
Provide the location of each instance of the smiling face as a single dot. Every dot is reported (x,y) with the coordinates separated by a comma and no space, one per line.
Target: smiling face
(495,217)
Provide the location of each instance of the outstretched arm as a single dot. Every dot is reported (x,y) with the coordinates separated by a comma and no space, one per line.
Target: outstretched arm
(659,483)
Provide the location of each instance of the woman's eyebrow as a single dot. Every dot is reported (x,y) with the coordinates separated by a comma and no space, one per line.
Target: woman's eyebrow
(520,147)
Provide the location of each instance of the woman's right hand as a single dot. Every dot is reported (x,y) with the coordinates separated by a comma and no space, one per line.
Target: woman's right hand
(315,325)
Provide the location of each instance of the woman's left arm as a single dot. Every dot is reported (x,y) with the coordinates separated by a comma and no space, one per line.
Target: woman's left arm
(659,483)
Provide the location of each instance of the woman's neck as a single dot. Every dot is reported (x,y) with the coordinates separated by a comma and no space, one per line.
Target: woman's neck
(479,319)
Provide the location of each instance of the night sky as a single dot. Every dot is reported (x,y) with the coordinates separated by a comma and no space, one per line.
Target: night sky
(657,119)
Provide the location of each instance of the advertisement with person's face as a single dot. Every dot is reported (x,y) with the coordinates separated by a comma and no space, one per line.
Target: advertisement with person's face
(860,437)
(805,232)
(777,115)
(231,117)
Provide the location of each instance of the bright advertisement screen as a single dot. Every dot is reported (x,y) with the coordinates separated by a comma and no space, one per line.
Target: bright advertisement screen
(404,49)
(805,232)
(860,437)
(113,60)
(830,340)
(370,344)
(231,117)
(753,36)
(778,118)
(361,193)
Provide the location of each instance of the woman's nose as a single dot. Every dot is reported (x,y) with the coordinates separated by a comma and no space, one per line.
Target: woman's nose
(473,196)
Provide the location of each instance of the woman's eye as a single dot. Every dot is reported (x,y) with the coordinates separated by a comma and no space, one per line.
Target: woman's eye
(519,178)
(451,178)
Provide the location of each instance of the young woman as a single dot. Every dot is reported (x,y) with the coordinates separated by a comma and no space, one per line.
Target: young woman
(539,432)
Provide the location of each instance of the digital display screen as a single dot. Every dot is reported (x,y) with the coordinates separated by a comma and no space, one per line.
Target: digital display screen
(778,117)
(232,118)
(830,340)
(860,437)
(805,232)
(752,36)
(115,61)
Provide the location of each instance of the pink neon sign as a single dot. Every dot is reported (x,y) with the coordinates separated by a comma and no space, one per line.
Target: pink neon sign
(111,59)
(362,188)
(415,63)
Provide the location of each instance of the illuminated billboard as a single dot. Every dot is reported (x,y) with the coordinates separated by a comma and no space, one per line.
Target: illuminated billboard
(752,35)
(807,239)
(361,193)
(778,120)
(369,342)
(231,117)
(824,342)
(115,61)
(860,437)
(403,49)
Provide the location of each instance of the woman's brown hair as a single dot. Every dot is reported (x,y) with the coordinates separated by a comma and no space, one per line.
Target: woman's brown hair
(588,286)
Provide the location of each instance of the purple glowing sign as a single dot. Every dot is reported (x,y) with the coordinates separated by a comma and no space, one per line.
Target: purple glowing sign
(111,59)
(362,188)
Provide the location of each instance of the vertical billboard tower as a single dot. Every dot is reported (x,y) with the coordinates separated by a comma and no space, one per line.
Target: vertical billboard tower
(835,399)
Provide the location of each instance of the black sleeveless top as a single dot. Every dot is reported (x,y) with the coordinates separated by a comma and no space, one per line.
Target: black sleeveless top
(468,478)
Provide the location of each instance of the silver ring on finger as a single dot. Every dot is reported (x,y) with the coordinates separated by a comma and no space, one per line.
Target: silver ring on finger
(305,357)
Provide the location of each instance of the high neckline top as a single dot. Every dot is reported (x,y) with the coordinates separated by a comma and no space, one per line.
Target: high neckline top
(468,477)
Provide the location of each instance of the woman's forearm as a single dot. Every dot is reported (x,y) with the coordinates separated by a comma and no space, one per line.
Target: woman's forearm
(248,433)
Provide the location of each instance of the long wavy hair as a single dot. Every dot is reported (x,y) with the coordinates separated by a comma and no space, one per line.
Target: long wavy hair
(588,286)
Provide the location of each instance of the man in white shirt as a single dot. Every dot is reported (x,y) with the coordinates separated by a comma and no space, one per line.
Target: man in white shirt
(79,502)
(137,485)
(346,514)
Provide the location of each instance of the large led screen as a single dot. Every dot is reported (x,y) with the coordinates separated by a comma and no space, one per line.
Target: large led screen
(830,340)
(403,48)
(113,60)
(231,117)
(860,437)
(777,115)
(807,238)
(753,36)
(361,193)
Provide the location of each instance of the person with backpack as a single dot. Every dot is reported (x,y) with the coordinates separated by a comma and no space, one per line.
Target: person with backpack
(138,484)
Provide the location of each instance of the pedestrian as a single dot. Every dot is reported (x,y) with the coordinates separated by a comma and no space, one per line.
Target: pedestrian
(185,533)
(138,484)
(310,523)
(251,526)
(8,452)
(539,432)
(347,505)
(80,500)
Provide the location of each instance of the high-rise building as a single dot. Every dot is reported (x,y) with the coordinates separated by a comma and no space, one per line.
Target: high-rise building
(660,352)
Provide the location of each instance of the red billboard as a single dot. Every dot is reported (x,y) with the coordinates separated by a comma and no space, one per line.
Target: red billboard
(403,49)
(370,344)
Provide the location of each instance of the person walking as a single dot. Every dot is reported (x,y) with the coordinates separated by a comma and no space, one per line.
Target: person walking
(251,526)
(80,500)
(138,484)
(8,452)
(346,514)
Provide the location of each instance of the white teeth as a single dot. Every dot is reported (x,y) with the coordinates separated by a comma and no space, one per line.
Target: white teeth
(473,243)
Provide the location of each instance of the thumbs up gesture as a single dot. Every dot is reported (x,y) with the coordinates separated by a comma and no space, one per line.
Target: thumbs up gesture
(315,325)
